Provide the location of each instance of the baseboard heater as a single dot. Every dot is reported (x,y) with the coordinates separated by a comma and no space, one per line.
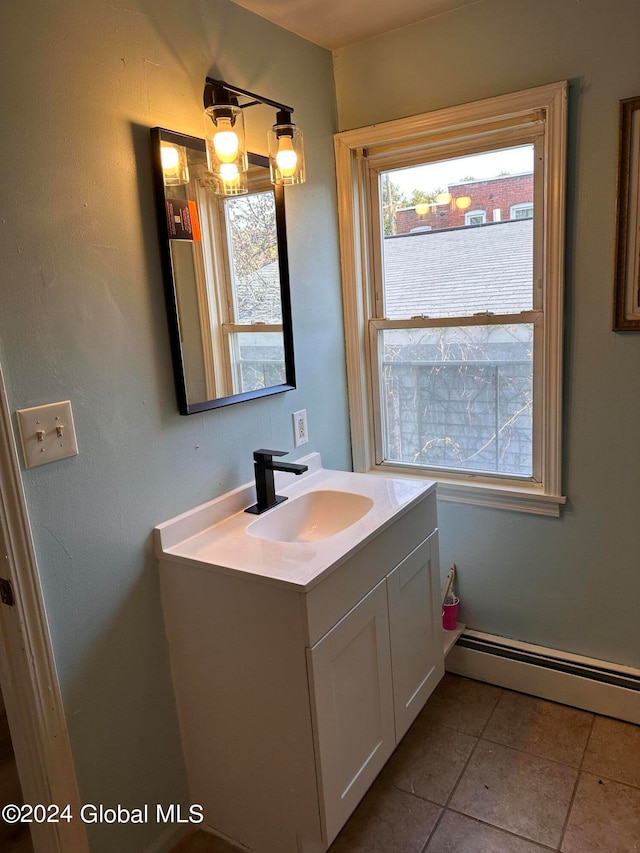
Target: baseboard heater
(600,673)
(588,683)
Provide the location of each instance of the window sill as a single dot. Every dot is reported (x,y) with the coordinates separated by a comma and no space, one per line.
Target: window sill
(518,498)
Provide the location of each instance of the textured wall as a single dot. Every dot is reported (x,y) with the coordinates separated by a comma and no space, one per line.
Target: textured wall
(570,583)
(82,317)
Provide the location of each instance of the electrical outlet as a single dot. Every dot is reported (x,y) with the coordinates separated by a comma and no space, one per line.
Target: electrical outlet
(300,433)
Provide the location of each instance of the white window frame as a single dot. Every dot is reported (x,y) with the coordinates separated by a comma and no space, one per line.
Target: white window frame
(472,213)
(512,119)
(526,205)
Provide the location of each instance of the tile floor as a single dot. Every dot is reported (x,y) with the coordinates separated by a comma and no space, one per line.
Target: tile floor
(486,770)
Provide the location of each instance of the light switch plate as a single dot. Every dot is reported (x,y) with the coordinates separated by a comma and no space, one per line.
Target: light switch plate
(47,433)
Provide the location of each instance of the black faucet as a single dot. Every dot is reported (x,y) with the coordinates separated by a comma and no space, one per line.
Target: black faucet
(265,486)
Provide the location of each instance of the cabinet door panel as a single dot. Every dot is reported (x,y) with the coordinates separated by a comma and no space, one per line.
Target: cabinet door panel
(352,707)
(415,626)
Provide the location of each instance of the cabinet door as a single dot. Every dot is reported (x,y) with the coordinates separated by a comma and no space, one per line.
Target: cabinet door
(352,707)
(415,625)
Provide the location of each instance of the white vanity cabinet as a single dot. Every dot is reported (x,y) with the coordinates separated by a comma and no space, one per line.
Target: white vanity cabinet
(370,675)
(291,698)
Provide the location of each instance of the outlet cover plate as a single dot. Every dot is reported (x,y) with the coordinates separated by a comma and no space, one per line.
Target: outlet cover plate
(47,433)
(300,431)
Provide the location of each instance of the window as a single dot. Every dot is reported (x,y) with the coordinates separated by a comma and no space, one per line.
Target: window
(521,211)
(243,296)
(253,325)
(475,217)
(454,334)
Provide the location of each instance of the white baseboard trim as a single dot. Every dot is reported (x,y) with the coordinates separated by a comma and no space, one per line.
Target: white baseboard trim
(592,685)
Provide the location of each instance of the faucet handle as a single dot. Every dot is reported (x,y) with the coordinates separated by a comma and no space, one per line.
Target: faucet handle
(266,455)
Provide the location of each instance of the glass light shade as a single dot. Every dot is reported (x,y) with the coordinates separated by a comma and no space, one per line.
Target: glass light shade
(224,136)
(175,169)
(286,155)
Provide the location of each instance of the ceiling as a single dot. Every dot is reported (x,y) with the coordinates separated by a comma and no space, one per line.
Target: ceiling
(336,23)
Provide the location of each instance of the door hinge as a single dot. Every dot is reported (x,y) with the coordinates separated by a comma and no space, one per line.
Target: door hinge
(6,593)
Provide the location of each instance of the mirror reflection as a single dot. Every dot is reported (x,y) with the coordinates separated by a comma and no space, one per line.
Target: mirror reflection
(226,277)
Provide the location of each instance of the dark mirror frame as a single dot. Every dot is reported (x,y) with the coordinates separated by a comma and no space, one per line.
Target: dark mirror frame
(186,408)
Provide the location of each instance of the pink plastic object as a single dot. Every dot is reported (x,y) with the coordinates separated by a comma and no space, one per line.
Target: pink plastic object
(450,615)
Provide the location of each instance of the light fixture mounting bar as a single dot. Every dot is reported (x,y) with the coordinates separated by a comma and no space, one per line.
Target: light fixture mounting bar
(258,99)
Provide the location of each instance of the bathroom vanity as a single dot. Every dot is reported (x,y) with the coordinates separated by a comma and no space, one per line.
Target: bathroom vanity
(303,644)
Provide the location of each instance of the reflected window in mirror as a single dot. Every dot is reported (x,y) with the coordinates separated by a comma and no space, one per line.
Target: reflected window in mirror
(226,278)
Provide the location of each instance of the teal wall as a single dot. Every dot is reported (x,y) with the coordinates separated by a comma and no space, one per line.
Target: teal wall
(82,318)
(571,583)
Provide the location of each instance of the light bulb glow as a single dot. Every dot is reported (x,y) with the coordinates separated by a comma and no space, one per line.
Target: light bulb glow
(175,170)
(225,141)
(286,158)
(170,157)
(229,172)
(443,198)
(463,202)
(422,209)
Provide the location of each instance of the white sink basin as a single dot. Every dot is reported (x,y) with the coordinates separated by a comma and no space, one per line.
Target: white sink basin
(328,515)
(312,516)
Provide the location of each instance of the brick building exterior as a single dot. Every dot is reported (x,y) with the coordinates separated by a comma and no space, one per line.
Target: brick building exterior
(472,203)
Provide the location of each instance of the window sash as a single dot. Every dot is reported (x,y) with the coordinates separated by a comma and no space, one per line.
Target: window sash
(376,330)
(530,135)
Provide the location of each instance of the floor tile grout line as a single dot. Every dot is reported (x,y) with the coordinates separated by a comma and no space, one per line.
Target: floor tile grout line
(532,754)
(520,749)
(444,805)
(502,829)
(460,775)
(611,779)
(575,786)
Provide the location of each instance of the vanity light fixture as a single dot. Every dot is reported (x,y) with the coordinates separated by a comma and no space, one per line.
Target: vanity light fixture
(225,141)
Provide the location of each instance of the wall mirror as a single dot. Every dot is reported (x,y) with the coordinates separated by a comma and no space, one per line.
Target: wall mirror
(226,276)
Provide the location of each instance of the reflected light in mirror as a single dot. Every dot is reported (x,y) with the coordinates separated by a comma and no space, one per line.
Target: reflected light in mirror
(232,182)
(174,164)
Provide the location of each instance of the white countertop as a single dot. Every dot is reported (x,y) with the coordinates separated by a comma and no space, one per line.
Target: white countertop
(215,534)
